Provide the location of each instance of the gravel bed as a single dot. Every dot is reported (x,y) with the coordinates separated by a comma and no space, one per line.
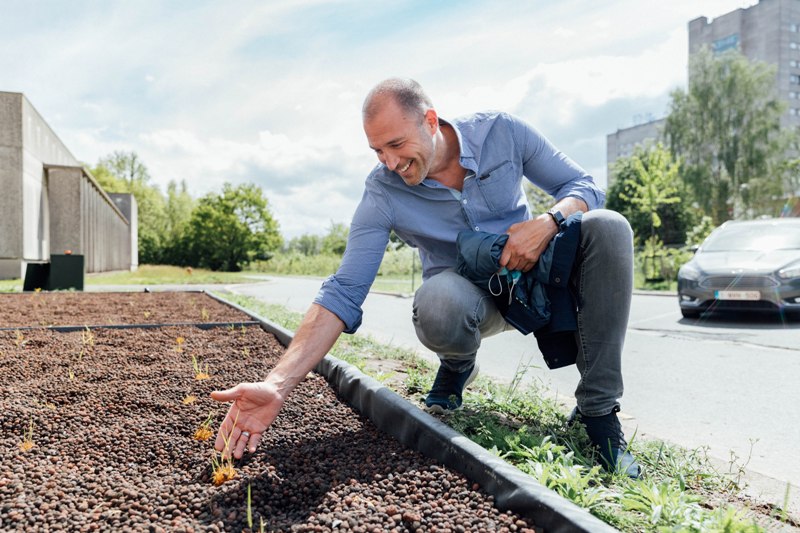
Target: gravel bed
(113,446)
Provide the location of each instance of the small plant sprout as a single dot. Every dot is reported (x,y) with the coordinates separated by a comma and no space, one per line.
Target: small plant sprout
(179,344)
(204,313)
(189,400)
(50,406)
(246,351)
(222,469)
(27,440)
(87,338)
(146,314)
(249,508)
(204,431)
(199,371)
(71,374)
(19,338)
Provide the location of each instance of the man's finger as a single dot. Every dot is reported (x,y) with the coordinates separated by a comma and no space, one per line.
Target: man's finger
(227,395)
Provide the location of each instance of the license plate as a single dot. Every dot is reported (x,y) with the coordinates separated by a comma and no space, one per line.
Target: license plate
(737,295)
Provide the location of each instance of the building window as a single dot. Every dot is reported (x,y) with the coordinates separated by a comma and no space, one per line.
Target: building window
(793,111)
(793,27)
(726,43)
(793,45)
(794,79)
(793,95)
(793,63)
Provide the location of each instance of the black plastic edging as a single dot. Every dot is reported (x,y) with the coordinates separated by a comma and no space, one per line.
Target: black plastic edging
(392,414)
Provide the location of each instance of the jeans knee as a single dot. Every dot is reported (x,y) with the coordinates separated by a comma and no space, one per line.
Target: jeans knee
(605,223)
(443,316)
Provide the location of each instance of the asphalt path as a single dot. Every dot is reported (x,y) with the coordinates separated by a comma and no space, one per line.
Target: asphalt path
(728,384)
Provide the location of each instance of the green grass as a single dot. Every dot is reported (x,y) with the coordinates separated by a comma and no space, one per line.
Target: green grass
(680,492)
(165,274)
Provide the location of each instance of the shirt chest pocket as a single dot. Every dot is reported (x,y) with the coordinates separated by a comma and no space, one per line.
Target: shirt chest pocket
(500,187)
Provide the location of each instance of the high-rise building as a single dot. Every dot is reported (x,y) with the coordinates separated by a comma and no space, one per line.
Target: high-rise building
(768,31)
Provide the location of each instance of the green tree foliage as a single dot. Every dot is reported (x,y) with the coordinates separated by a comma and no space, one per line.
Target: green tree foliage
(228,230)
(178,208)
(335,241)
(726,131)
(306,244)
(124,172)
(647,191)
(538,200)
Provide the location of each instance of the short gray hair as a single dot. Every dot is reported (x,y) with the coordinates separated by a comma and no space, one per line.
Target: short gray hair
(405,91)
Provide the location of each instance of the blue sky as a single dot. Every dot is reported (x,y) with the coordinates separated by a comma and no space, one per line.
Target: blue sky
(270,92)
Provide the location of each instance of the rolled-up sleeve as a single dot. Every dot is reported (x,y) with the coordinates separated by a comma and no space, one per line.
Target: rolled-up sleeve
(344,292)
(551,170)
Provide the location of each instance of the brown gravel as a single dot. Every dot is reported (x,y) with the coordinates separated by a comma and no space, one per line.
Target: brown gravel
(113,447)
(78,309)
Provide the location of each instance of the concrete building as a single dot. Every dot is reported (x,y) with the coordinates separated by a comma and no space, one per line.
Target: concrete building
(623,142)
(768,31)
(50,203)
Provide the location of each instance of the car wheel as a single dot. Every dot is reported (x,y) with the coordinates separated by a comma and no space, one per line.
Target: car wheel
(690,314)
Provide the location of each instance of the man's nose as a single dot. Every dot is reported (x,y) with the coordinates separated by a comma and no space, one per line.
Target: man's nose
(391,161)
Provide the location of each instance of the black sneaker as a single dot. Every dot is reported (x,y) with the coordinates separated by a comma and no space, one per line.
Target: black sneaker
(605,432)
(445,395)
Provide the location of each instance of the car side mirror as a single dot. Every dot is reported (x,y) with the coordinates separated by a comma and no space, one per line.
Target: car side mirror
(693,248)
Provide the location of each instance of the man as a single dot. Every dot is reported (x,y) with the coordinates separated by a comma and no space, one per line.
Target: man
(435,179)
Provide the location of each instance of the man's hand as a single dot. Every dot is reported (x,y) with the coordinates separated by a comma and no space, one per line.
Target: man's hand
(255,407)
(526,242)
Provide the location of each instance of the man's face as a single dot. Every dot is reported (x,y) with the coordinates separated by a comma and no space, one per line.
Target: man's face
(402,141)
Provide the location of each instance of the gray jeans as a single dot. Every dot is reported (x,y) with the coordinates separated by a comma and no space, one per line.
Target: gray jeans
(451,315)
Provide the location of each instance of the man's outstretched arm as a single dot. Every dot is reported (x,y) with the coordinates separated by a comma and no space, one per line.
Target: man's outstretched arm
(256,405)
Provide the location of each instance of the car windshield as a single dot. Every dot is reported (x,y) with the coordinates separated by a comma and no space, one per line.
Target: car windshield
(756,237)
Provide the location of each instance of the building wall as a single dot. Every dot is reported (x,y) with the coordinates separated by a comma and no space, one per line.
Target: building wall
(768,31)
(49,203)
(623,142)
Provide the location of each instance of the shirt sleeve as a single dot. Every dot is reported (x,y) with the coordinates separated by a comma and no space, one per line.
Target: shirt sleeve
(344,292)
(551,170)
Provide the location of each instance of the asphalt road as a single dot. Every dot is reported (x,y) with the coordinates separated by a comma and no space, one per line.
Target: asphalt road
(728,383)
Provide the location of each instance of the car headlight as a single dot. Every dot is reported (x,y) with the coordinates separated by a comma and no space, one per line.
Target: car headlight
(791,271)
(689,272)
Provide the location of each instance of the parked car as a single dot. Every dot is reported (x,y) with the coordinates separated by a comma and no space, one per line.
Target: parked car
(744,265)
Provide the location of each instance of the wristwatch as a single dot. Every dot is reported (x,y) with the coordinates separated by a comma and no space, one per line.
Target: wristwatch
(557,217)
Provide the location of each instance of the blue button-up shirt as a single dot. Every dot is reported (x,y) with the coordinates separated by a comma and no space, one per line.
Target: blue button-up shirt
(497,150)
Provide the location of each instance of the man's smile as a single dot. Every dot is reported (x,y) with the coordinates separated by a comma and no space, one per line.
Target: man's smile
(407,166)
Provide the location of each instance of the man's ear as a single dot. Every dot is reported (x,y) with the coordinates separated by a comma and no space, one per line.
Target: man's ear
(431,120)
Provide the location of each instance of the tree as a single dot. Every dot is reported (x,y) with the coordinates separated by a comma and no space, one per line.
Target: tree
(124,172)
(335,241)
(228,230)
(538,200)
(306,244)
(648,191)
(726,130)
(178,210)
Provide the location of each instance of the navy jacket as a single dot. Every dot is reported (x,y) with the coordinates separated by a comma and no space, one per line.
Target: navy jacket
(539,300)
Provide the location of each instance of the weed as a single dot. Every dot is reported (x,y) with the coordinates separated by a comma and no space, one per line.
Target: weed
(146,314)
(199,372)
(189,399)
(246,351)
(27,439)
(71,374)
(204,313)
(179,344)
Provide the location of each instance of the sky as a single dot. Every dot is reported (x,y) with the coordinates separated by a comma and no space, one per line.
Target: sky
(270,92)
